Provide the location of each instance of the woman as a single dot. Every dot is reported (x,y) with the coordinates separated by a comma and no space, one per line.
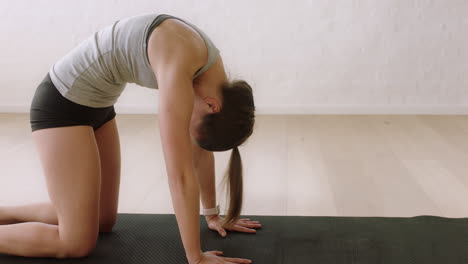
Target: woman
(74,130)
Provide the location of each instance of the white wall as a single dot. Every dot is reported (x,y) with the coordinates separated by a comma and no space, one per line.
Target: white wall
(301,56)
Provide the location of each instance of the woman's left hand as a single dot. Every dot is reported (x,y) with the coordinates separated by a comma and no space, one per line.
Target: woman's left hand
(242,225)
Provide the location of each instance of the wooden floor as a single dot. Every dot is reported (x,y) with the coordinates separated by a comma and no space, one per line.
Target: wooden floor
(316,165)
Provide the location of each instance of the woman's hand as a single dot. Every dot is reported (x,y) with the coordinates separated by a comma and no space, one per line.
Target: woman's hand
(212,257)
(242,225)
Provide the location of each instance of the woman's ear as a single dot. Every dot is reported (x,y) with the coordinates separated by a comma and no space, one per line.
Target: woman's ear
(213,104)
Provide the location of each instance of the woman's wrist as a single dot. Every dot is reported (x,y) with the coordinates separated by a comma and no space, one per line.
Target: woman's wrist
(211,211)
(194,258)
(209,217)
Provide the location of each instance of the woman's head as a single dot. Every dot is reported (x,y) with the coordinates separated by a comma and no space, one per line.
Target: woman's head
(227,129)
(233,124)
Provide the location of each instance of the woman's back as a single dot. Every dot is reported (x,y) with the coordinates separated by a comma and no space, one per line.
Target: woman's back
(96,71)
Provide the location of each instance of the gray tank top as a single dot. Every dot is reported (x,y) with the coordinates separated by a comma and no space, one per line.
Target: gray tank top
(95,72)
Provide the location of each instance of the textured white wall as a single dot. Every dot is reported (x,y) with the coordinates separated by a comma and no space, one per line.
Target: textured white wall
(301,56)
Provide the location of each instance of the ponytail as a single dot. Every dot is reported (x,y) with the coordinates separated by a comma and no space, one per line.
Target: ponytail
(228,129)
(235,187)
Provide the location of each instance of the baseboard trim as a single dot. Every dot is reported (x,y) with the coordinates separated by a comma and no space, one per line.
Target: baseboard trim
(302,109)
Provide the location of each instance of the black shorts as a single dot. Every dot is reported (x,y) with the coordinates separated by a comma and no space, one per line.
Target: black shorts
(50,109)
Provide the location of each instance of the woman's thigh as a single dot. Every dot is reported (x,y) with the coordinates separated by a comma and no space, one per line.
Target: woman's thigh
(107,138)
(71,165)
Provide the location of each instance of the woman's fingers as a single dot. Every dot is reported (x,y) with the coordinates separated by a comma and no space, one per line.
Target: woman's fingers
(238,260)
(244,229)
(246,221)
(216,252)
(249,224)
(230,260)
(243,225)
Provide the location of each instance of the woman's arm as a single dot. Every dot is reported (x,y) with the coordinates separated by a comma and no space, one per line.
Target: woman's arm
(172,58)
(205,171)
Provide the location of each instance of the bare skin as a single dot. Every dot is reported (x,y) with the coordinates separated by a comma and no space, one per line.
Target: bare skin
(68,226)
(175,55)
(32,230)
(107,139)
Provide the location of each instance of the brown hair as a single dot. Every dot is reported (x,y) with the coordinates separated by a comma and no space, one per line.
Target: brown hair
(228,129)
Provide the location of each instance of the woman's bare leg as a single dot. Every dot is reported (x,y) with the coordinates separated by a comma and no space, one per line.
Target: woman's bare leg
(107,139)
(43,212)
(71,165)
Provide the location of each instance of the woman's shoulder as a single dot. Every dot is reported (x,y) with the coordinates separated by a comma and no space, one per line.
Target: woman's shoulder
(174,35)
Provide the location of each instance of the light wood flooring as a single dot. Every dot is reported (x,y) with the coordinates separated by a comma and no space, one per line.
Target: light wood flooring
(314,165)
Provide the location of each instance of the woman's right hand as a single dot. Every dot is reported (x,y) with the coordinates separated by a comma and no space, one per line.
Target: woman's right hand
(213,257)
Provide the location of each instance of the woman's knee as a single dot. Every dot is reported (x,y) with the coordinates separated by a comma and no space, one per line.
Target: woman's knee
(77,249)
(107,224)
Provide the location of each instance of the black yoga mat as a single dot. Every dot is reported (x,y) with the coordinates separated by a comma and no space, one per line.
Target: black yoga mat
(154,238)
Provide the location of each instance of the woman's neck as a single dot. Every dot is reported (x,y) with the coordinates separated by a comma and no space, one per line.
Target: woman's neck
(210,81)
